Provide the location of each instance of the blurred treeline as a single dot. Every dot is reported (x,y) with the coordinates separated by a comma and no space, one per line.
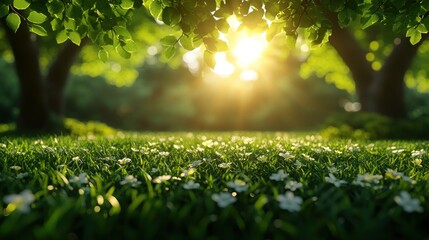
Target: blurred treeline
(163,98)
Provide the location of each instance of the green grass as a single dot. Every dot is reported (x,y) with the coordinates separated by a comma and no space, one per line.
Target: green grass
(104,206)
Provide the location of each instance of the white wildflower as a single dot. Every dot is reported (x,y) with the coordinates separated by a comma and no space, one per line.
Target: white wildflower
(398,151)
(188,172)
(223,199)
(21,175)
(16,168)
(238,185)
(124,161)
(279,176)
(332,179)
(130,180)
(417,162)
(191,184)
(408,203)
(162,178)
(293,185)
(20,202)
(286,155)
(367,180)
(290,202)
(224,165)
(392,174)
(418,153)
(164,154)
(196,163)
(81,179)
(308,157)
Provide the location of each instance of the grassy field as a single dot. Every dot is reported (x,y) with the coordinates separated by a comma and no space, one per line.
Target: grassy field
(212,185)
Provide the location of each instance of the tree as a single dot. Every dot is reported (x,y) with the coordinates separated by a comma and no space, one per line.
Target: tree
(72,25)
(104,23)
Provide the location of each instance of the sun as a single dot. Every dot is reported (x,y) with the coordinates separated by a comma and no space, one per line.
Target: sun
(248,49)
(245,51)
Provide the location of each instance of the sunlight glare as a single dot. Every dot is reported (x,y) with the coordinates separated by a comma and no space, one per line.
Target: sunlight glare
(249,49)
(223,68)
(191,59)
(249,75)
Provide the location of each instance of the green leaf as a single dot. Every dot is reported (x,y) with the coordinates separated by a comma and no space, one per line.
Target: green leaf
(369,21)
(62,36)
(36,17)
(4,10)
(122,52)
(206,27)
(155,9)
(56,24)
(210,44)
(215,45)
(168,52)
(103,55)
(209,59)
(55,7)
(121,30)
(21,4)
(13,21)
(221,46)
(415,35)
(222,25)
(39,30)
(70,24)
(422,28)
(130,46)
(127,4)
(171,16)
(187,42)
(169,41)
(74,37)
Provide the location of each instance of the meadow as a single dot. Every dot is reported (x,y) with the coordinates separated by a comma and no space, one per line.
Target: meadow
(212,186)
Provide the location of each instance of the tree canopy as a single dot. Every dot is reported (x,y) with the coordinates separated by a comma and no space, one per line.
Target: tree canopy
(104,22)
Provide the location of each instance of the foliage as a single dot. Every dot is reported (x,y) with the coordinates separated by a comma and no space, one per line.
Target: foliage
(223,185)
(201,22)
(78,128)
(362,125)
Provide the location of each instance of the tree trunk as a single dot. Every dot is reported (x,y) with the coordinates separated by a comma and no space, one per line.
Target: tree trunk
(57,76)
(33,114)
(389,86)
(353,56)
(383,91)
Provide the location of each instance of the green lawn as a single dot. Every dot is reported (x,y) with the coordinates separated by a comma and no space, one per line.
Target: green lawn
(212,185)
